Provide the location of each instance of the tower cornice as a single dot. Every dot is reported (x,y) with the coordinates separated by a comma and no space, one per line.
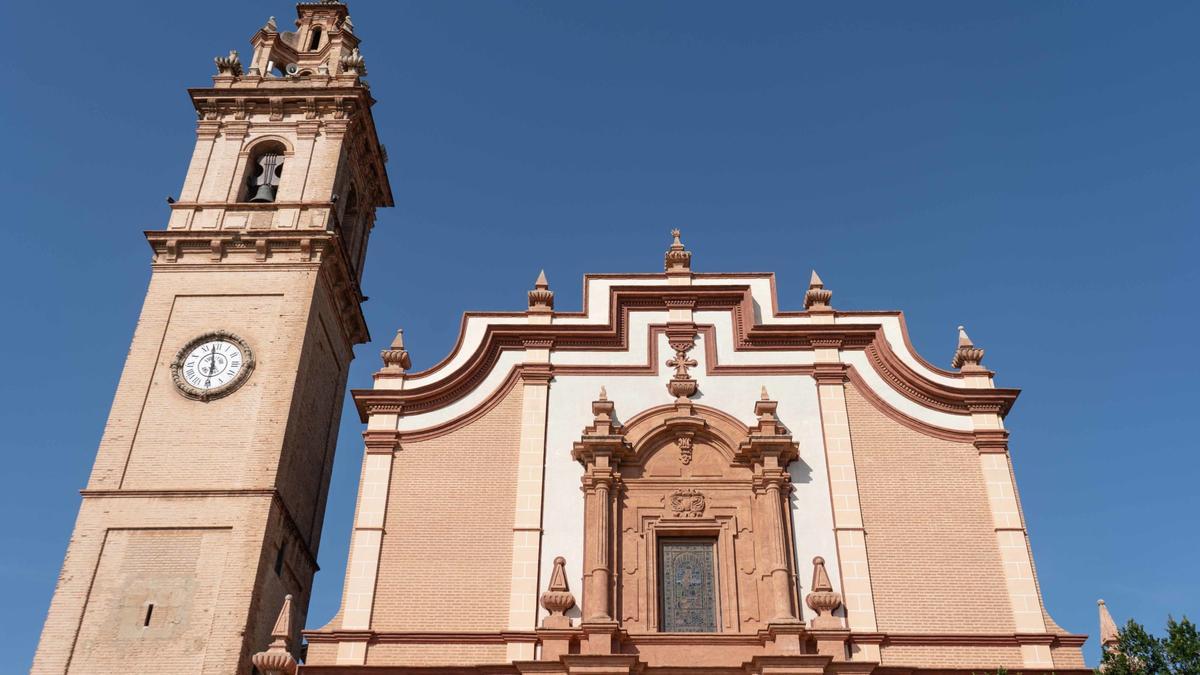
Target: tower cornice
(249,250)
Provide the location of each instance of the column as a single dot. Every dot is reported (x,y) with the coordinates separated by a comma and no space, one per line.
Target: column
(780,579)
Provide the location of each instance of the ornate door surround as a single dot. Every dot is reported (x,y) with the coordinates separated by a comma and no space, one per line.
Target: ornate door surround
(687,471)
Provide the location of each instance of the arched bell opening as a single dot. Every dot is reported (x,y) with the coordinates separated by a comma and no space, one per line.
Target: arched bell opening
(264,172)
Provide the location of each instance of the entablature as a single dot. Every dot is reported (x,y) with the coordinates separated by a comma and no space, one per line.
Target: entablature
(264,250)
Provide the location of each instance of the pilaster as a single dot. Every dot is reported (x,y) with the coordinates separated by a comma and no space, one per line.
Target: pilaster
(527,525)
(858,598)
(991,440)
(381,442)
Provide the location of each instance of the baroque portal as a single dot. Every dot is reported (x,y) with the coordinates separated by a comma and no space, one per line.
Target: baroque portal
(689,505)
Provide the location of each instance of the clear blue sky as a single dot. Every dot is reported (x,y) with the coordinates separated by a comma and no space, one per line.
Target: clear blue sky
(1029,169)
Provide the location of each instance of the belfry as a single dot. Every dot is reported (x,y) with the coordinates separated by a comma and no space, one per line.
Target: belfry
(205,504)
(687,475)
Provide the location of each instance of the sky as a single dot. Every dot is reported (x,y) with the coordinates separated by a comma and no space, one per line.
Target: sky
(1028,169)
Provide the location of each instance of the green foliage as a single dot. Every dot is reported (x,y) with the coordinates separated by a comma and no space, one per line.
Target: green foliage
(1140,653)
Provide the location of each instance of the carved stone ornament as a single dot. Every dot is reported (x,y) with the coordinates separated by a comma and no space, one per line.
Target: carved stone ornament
(229,65)
(541,298)
(967,356)
(354,64)
(685,449)
(396,358)
(233,368)
(817,297)
(682,385)
(277,659)
(557,597)
(687,503)
(823,599)
(678,260)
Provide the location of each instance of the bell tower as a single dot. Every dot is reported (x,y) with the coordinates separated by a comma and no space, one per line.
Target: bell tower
(205,503)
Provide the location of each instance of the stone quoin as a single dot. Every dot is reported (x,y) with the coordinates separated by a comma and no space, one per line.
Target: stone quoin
(681,477)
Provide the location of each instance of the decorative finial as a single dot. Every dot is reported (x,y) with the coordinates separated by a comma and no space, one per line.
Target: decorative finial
(270,26)
(395,358)
(557,598)
(967,357)
(768,422)
(823,600)
(541,298)
(354,64)
(678,260)
(817,298)
(1109,635)
(603,423)
(277,660)
(347,24)
(229,65)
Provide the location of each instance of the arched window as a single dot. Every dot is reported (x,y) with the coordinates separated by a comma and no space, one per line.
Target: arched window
(314,42)
(263,173)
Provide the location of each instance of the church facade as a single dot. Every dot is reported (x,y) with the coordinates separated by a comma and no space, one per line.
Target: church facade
(683,476)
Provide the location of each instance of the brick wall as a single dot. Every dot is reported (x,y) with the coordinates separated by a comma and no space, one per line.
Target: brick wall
(931,544)
(447,549)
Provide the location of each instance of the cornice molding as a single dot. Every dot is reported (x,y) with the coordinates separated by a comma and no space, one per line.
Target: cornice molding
(215,250)
(190,493)
(748,337)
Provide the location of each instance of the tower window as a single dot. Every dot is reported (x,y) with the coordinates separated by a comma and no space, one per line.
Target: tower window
(265,170)
(314,43)
(149,613)
(687,585)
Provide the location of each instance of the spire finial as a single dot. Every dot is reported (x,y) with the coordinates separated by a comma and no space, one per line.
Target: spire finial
(270,26)
(603,422)
(557,598)
(678,260)
(817,298)
(541,298)
(1109,635)
(967,357)
(765,409)
(395,358)
(277,659)
(823,600)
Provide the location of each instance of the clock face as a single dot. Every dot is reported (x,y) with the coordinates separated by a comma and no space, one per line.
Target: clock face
(212,366)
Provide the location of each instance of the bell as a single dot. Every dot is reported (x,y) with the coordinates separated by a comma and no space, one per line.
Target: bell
(264,193)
